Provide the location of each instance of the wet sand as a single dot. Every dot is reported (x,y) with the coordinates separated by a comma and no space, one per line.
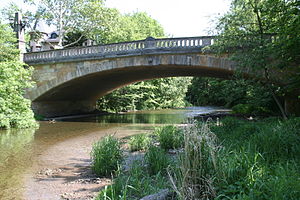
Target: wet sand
(64,172)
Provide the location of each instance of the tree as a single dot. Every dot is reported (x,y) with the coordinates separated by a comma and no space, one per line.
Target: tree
(107,25)
(146,95)
(235,93)
(262,36)
(139,25)
(66,15)
(15,110)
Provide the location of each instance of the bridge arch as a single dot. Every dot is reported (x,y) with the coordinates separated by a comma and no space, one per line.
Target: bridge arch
(72,84)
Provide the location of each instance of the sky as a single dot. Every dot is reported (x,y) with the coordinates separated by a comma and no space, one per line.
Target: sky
(179,18)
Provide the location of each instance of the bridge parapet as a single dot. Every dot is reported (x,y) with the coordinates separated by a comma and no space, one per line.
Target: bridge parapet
(141,47)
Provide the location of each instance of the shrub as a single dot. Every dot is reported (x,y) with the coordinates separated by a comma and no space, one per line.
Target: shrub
(106,156)
(169,137)
(156,159)
(139,142)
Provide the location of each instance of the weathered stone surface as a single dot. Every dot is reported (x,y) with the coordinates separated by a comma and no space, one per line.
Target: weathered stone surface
(162,195)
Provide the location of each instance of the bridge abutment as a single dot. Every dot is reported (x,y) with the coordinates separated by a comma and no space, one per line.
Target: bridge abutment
(62,108)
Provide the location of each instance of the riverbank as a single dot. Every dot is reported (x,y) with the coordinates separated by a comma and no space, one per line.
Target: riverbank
(40,163)
(232,158)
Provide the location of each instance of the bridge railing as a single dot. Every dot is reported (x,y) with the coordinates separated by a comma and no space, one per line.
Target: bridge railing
(125,48)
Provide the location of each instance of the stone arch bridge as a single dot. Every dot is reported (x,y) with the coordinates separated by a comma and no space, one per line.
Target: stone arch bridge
(69,81)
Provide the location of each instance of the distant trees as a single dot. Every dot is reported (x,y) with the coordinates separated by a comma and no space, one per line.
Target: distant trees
(15,110)
(246,96)
(262,37)
(146,95)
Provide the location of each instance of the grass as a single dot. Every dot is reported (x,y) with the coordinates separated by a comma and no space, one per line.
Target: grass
(259,160)
(139,142)
(197,164)
(169,137)
(134,184)
(156,160)
(231,160)
(106,156)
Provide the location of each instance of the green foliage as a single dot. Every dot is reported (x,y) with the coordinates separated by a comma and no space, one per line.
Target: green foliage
(134,185)
(258,159)
(262,36)
(244,96)
(170,137)
(15,110)
(139,142)
(106,156)
(139,26)
(153,94)
(156,160)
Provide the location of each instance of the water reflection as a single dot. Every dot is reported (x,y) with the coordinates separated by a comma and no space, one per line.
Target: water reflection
(166,116)
(15,157)
(21,148)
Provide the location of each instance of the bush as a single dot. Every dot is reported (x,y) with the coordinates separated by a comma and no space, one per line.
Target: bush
(139,142)
(106,156)
(170,137)
(156,159)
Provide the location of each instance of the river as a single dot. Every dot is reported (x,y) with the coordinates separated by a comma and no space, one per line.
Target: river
(34,163)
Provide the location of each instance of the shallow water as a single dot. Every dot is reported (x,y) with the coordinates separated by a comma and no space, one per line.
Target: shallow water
(58,144)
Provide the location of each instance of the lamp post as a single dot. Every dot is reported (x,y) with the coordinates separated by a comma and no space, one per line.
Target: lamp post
(18,25)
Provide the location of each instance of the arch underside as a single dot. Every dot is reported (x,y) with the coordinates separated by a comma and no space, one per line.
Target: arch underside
(73,87)
(93,86)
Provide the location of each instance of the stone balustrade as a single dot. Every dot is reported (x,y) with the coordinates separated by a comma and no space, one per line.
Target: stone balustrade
(141,47)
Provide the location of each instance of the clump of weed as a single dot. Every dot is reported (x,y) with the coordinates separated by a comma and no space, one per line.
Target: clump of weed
(139,142)
(106,156)
(197,164)
(169,137)
(134,184)
(156,160)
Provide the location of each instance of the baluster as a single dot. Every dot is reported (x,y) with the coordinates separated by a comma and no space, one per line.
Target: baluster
(192,42)
(159,43)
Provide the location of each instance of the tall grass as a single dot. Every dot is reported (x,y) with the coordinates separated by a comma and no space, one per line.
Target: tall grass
(169,137)
(106,156)
(259,160)
(139,142)
(156,160)
(197,164)
(134,184)
(249,160)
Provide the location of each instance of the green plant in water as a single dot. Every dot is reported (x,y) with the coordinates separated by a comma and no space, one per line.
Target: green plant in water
(106,156)
(139,142)
(169,137)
